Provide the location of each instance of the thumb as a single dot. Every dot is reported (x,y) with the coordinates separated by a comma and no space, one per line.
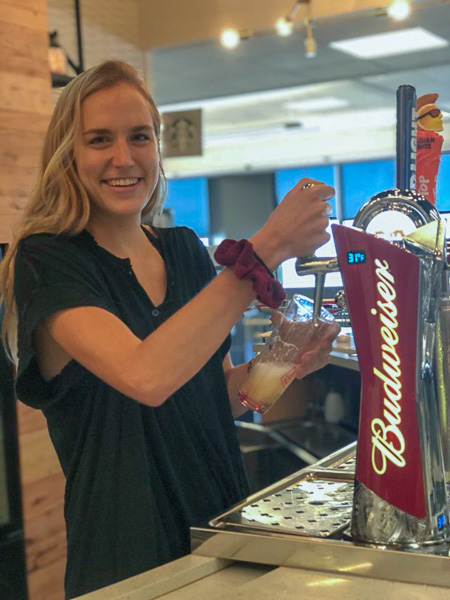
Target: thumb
(276,317)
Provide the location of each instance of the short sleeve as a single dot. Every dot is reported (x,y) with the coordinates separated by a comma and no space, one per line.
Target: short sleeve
(51,273)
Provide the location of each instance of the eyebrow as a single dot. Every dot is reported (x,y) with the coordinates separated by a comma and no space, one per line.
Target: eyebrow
(134,129)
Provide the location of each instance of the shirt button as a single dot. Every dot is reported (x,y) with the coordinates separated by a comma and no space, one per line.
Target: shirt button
(155,312)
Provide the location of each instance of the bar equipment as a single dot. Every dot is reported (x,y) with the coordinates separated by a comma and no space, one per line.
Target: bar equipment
(393,289)
(443,378)
(400,494)
(388,495)
(429,145)
(393,292)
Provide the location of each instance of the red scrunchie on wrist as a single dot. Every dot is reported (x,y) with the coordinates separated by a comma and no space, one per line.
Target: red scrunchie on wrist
(248,265)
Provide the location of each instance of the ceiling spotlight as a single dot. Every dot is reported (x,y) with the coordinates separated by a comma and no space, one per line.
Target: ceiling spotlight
(284,27)
(230,38)
(399,10)
(310,42)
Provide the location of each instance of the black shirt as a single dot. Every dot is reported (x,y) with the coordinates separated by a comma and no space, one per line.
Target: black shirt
(137,477)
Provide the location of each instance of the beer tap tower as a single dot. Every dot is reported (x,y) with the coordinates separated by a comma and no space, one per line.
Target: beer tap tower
(393,288)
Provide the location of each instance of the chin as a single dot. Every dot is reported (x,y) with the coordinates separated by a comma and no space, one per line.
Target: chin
(113,210)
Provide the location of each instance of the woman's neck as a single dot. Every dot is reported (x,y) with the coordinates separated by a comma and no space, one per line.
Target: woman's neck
(122,237)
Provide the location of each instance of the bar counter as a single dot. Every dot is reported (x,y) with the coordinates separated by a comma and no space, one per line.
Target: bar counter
(233,558)
(199,578)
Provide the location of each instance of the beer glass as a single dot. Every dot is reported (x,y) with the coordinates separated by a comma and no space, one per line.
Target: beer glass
(277,365)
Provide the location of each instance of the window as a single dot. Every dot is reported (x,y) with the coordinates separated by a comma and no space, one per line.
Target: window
(443,184)
(361,181)
(188,199)
(286,179)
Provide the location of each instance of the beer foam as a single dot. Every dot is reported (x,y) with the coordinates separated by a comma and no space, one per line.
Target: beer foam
(264,384)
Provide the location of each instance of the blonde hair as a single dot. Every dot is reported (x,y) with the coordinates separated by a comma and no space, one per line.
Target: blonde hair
(59,203)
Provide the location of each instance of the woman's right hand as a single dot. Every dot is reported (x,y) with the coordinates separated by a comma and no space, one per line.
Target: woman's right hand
(297,226)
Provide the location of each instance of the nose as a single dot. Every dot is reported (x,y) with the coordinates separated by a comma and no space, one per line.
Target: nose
(121,154)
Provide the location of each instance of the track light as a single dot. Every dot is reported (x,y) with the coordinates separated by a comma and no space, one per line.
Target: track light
(284,26)
(310,42)
(230,38)
(399,10)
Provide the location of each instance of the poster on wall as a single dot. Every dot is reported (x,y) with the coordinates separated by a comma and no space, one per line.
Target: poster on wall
(182,133)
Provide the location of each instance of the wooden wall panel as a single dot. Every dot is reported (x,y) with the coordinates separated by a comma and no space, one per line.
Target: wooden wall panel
(38,501)
(7,223)
(18,52)
(34,7)
(43,507)
(21,93)
(20,148)
(37,457)
(46,540)
(45,583)
(25,17)
(15,119)
(25,108)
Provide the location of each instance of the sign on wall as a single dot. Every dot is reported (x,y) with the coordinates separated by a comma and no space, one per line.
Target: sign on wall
(182,133)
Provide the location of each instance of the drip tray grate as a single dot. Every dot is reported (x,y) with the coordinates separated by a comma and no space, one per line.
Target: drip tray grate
(345,464)
(319,505)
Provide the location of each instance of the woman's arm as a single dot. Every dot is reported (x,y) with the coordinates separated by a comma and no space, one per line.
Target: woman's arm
(151,370)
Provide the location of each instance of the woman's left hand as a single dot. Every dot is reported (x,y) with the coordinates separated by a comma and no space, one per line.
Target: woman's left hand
(317,353)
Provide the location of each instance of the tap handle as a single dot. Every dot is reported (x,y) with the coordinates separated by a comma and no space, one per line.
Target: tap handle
(318,297)
(319,267)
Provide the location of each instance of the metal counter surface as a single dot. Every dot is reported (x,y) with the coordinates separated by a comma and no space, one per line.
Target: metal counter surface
(196,577)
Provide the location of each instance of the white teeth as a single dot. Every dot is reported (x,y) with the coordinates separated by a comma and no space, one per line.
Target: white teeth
(122,182)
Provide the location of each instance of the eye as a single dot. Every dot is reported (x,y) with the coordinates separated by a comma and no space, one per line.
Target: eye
(98,139)
(140,137)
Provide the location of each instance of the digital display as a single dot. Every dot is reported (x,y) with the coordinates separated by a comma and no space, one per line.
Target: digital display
(356,258)
(441,522)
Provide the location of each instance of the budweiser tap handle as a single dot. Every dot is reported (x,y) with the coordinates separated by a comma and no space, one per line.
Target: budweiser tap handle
(429,145)
(406,138)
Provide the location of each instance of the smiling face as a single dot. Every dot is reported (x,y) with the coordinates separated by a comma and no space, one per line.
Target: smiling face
(116,152)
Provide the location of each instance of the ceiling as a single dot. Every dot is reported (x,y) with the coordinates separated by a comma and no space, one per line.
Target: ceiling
(247,93)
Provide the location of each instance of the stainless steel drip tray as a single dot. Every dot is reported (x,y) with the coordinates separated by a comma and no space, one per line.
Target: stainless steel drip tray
(303,521)
(318,504)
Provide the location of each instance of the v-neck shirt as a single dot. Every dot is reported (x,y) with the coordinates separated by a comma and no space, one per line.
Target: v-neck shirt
(137,477)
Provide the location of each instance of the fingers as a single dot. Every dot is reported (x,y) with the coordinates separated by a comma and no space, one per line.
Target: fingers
(313,196)
(327,210)
(329,334)
(318,357)
(298,225)
(276,317)
(313,361)
(316,188)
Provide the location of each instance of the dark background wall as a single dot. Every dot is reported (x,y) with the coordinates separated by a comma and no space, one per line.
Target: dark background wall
(240,204)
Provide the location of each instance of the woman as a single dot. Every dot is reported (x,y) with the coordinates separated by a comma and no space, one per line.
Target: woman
(121,332)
